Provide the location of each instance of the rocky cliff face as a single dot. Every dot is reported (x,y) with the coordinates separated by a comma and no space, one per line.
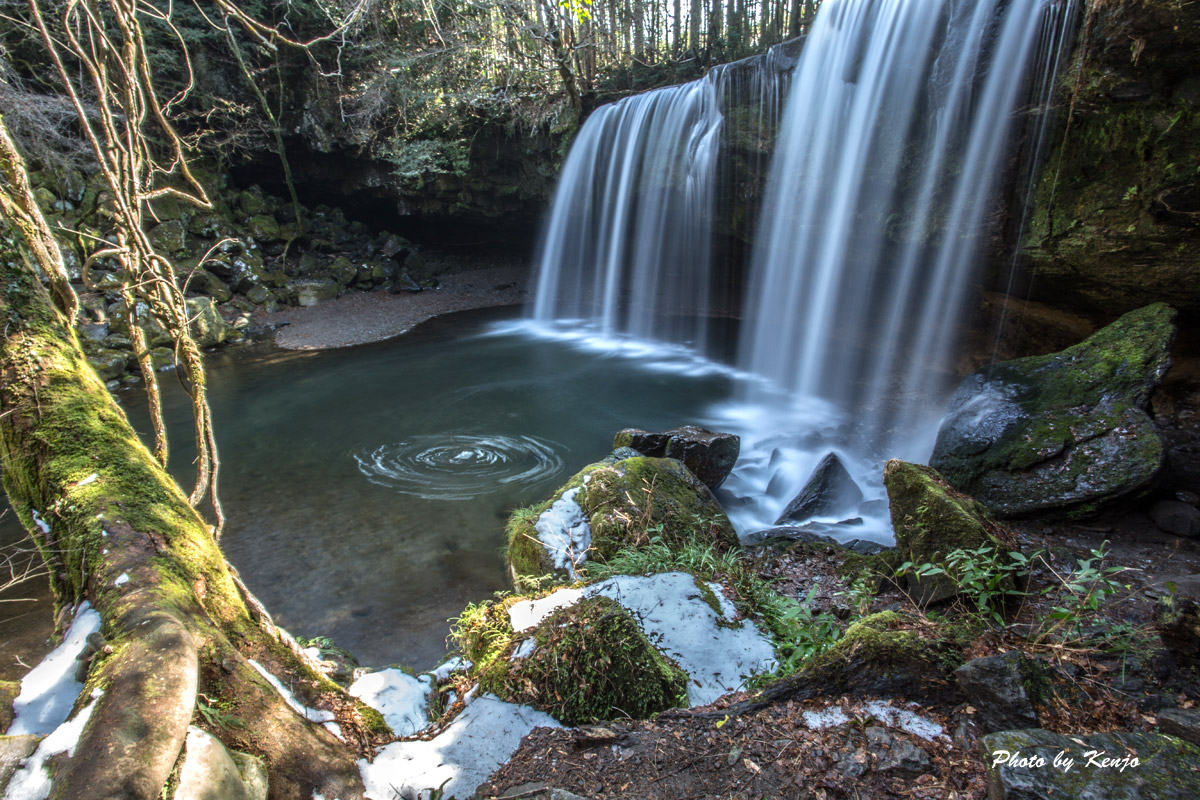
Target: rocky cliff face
(1116,222)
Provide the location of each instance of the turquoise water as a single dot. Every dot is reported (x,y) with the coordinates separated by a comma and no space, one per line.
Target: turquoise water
(367,488)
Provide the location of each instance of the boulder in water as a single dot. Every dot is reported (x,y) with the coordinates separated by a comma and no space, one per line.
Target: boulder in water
(708,454)
(829,491)
(1064,432)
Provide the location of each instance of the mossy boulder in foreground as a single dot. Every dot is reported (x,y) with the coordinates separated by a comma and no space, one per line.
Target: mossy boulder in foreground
(1065,432)
(1031,764)
(588,662)
(612,504)
(931,519)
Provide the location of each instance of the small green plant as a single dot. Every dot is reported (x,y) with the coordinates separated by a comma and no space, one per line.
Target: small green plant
(984,576)
(1080,594)
(481,632)
(214,716)
(700,559)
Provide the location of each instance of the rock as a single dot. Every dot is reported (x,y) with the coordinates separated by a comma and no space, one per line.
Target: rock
(645,442)
(931,519)
(1177,617)
(263,227)
(309,293)
(14,750)
(1177,517)
(251,203)
(259,295)
(999,688)
(895,755)
(1181,722)
(814,533)
(247,271)
(8,693)
(117,341)
(1165,769)
(44,198)
(609,505)
(169,237)
(204,282)
(589,662)
(95,331)
(342,271)
(210,772)
(885,654)
(109,364)
(1065,432)
(207,326)
(829,491)
(709,455)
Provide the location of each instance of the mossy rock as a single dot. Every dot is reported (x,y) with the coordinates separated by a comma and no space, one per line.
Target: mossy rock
(1061,433)
(889,653)
(623,501)
(931,519)
(208,327)
(589,662)
(109,364)
(8,693)
(1165,768)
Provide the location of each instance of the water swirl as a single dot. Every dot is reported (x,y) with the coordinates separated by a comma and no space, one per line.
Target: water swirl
(459,466)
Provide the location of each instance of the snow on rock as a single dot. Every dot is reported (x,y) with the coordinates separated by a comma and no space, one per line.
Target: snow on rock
(449,667)
(402,699)
(471,748)
(564,531)
(827,718)
(671,610)
(906,720)
(524,614)
(32,780)
(49,690)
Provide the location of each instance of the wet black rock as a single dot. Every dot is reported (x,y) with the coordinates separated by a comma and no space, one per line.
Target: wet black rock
(708,454)
(999,688)
(829,491)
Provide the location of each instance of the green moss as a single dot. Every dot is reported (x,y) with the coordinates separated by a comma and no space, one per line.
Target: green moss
(888,640)
(373,721)
(628,502)
(591,662)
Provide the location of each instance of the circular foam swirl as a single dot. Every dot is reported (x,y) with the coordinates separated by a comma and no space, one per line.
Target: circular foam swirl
(459,466)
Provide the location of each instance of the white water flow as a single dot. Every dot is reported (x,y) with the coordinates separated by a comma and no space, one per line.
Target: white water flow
(626,252)
(627,257)
(898,125)
(896,130)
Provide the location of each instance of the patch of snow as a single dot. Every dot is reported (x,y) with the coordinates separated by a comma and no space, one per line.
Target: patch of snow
(728,609)
(525,614)
(564,531)
(335,729)
(32,780)
(122,579)
(89,479)
(829,718)
(449,667)
(43,526)
(402,699)
(49,690)
(462,756)
(905,720)
(671,610)
(310,714)
(312,652)
(524,649)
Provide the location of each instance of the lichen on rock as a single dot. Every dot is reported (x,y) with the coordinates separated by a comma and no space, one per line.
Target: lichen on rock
(1064,432)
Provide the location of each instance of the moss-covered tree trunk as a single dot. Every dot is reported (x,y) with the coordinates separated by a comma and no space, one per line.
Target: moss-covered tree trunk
(118,532)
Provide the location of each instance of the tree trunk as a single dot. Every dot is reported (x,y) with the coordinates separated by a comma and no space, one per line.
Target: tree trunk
(118,532)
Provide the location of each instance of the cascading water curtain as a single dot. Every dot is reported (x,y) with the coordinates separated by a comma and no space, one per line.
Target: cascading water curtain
(897,126)
(627,248)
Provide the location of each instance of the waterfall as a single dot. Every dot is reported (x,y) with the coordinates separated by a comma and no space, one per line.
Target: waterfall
(627,255)
(898,126)
(899,121)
